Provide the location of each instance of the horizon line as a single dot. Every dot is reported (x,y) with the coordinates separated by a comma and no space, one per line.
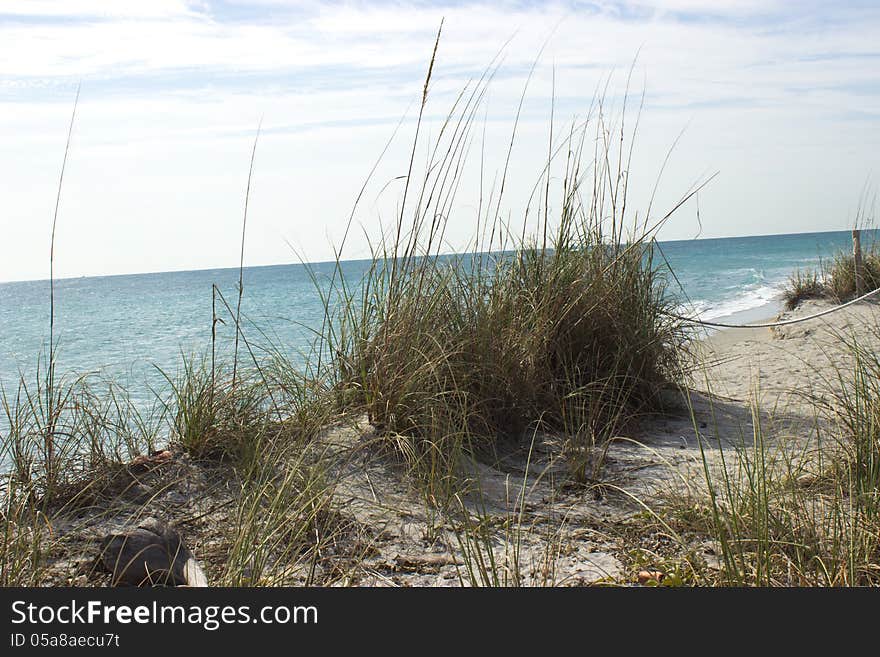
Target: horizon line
(366,259)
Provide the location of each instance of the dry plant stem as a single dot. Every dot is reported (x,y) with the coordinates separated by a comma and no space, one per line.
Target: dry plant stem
(241,262)
(413,154)
(50,384)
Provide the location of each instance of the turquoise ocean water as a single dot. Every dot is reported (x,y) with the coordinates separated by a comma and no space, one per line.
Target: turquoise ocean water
(125,327)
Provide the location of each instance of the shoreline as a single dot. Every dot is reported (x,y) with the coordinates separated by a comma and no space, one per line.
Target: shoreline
(785,365)
(383,533)
(715,338)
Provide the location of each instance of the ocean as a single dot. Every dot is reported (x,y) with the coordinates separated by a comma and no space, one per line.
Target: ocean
(130,328)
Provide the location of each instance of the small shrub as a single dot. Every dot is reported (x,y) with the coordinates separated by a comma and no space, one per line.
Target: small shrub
(568,328)
(840,277)
(212,418)
(802,285)
(835,280)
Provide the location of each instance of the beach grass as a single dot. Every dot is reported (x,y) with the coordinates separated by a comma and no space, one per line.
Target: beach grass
(840,279)
(566,326)
(835,279)
(801,511)
(446,364)
(802,285)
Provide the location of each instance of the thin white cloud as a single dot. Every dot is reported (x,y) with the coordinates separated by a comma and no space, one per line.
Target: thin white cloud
(172,92)
(98,8)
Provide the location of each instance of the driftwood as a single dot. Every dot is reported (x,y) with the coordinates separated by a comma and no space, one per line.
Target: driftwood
(152,554)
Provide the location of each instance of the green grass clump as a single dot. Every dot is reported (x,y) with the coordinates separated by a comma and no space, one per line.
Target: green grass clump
(22,537)
(802,285)
(566,337)
(840,276)
(564,327)
(213,417)
(857,409)
(782,516)
(58,440)
(835,279)
(61,443)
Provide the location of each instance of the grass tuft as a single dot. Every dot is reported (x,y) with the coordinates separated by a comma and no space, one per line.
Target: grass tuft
(566,328)
(802,285)
(835,279)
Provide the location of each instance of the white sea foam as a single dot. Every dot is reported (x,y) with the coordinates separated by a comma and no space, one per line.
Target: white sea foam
(749,298)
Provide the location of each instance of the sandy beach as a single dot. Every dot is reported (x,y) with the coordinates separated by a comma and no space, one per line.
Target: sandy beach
(534,525)
(786,362)
(775,375)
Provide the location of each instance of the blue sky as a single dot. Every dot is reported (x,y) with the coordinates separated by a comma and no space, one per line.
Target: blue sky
(782,98)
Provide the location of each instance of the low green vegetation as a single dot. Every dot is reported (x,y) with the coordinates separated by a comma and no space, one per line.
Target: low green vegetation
(778,515)
(455,354)
(803,285)
(839,275)
(835,279)
(565,327)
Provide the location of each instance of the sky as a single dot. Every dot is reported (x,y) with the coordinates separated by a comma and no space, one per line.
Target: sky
(781,99)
